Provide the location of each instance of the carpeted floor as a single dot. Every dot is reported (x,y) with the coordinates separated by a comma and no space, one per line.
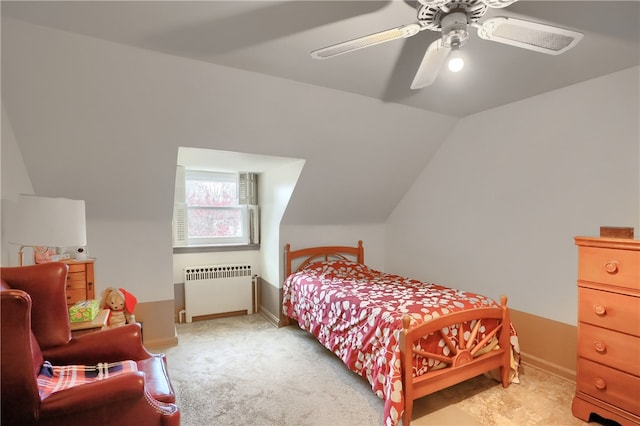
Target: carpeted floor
(244,371)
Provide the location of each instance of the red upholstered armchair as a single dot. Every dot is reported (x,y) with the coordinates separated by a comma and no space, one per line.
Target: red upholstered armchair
(35,329)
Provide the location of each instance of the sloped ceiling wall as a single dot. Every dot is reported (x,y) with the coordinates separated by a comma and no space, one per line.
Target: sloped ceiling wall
(546,169)
(102,122)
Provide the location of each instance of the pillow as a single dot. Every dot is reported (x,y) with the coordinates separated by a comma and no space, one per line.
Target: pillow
(341,269)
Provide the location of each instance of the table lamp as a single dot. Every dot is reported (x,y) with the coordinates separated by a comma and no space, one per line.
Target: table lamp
(48,222)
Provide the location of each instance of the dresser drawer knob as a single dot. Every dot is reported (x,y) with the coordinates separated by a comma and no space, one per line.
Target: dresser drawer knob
(600,346)
(611,267)
(600,383)
(599,310)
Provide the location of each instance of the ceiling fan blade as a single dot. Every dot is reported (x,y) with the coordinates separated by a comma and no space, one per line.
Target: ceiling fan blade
(528,35)
(431,64)
(496,4)
(402,31)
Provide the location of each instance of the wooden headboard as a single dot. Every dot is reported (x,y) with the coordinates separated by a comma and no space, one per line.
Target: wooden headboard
(316,254)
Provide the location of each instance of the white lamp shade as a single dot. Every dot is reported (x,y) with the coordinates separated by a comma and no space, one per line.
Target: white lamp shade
(49,222)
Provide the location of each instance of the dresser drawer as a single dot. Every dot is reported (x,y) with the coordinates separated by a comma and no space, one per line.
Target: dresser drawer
(75,279)
(610,266)
(75,295)
(77,273)
(617,350)
(609,310)
(609,385)
(76,267)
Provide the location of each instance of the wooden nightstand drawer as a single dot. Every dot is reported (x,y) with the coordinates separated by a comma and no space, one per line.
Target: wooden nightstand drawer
(75,295)
(617,350)
(609,310)
(609,385)
(609,266)
(76,284)
(76,267)
(77,276)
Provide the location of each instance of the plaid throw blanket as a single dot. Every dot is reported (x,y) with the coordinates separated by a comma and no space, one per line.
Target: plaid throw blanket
(54,378)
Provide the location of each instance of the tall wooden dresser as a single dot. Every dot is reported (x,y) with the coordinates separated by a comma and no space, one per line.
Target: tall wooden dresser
(80,281)
(608,369)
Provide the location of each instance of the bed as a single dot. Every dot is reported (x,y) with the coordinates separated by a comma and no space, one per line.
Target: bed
(407,338)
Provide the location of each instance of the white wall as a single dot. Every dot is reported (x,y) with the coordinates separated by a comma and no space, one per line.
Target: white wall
(15,181)
(102,122)
(276,185)
(123,257)
(497,208)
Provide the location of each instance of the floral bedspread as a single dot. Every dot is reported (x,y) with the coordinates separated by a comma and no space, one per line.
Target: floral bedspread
(356,312)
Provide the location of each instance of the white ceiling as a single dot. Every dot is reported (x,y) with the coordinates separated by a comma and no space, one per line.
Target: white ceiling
(275,38)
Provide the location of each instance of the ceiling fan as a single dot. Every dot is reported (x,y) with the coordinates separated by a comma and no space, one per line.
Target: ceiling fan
(452,18)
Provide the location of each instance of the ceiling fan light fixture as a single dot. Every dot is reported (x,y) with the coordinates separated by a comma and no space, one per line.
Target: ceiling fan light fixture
(455,62)
(454,36)
(454,30)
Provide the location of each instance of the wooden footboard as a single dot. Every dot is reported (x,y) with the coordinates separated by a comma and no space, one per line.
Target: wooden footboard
(467,358)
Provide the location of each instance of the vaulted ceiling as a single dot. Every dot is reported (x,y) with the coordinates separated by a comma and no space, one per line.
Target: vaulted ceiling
(275,38)
(100,116)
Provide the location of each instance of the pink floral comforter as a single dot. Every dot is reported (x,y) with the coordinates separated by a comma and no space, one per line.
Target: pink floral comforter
(356,312)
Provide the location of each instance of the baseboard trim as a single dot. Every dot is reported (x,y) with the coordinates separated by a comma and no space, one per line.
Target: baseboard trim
(547,344)
(547,367)
(220,315)
(269,316)
(162,343)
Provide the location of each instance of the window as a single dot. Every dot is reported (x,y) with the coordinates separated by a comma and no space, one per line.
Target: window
(214,208)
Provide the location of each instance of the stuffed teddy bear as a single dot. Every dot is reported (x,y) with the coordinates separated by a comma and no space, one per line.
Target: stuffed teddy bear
(121,305)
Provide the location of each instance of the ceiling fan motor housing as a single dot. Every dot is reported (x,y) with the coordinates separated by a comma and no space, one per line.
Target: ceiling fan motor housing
(432,13)
(454,29)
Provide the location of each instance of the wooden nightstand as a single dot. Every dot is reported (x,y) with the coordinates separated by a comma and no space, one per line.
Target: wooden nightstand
(80,280)
(98,323)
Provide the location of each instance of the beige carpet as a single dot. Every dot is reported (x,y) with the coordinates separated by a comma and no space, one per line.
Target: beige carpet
(244,371)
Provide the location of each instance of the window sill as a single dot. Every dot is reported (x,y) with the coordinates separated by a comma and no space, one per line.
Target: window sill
(213,249)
